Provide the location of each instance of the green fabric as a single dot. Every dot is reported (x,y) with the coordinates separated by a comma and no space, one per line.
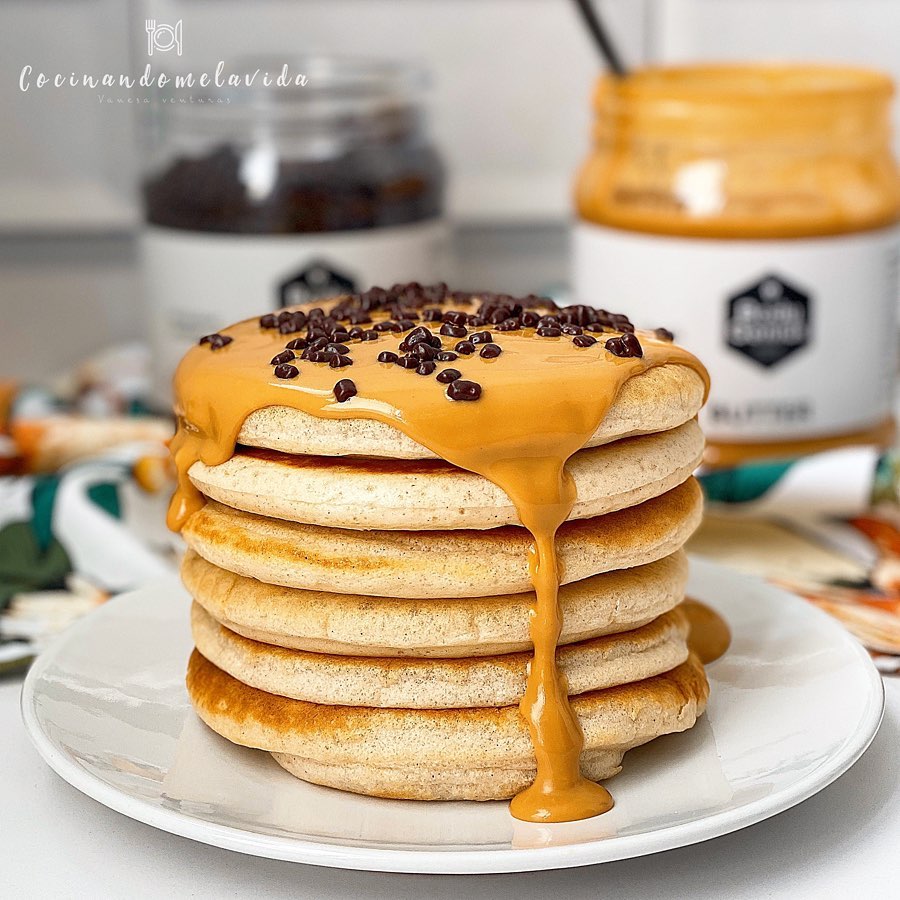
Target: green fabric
(749,482)
(28,565)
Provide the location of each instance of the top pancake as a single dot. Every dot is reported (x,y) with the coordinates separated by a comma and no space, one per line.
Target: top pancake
(657,400)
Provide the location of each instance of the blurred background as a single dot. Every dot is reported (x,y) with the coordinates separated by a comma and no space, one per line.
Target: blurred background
(509,110)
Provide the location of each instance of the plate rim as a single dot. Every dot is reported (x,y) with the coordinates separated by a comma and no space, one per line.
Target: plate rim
(404,860)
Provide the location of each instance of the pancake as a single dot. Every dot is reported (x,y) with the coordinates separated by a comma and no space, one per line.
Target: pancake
(437,754)
(354,625)
(431,494)
(437,683)
(412,564)
(657,400)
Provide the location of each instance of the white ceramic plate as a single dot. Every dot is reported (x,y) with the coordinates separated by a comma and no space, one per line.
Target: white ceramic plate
(794,704)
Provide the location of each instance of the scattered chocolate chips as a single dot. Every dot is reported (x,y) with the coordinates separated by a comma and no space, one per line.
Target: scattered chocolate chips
(386,356)
(508,325)
(284,357)
(465,348)
(337,361)
(370,335)
(627,345)
(426,367)
(344,390)
(405,324)
(448,375)
(571,329)
(454,317)
(269,320)
(337,348)
(297,344)
(663,334)
(584,340)
(445,356)
(408,362)
(356,333)
(548,331)
(481,337)
(490,351)
(456,331)
(286,371)
(216,341)
(530,319)
(460,389)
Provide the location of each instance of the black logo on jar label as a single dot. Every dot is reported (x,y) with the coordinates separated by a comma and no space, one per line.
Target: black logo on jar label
(768,320)
(314,280)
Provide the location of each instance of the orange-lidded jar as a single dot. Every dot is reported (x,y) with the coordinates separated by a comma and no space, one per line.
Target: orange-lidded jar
(752,210)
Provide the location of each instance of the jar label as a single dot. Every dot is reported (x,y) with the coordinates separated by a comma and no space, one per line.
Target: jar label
(198,282)
(799,335)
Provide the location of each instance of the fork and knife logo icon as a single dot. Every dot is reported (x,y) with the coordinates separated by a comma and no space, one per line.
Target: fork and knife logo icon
(162,38)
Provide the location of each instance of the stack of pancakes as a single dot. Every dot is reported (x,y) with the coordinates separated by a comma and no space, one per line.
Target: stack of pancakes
(362,608)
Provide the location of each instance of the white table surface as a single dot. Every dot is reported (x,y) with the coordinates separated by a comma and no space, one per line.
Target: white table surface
(55,842)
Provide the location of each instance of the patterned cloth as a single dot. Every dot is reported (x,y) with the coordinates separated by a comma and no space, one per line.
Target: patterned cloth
(826,527)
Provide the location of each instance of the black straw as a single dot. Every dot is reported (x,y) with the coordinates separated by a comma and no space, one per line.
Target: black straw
(600,37)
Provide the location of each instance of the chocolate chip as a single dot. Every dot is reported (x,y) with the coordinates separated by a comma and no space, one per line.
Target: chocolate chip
(530,318)
(424,351)
(316,356)
(433,314)
(626,346)
(465,347)
(663,334)
(387,357)
(405,325)
(596,327)
(548,331)
(490,351)
(338,361)
(475,321)
(269,320)
(455,317)
(571,329)
(297,344)
(448,375)
(284,357)
(456,331)
(290,326)
(286,371)
(548,322)
(584,340)
(340,337)
(463,390)
(408,362)
(386,326)
(426,367)
(445,356)
(370,335)
(481,337)
(356,333)
(344,390)
(216,341)
(337,348)
(508,325)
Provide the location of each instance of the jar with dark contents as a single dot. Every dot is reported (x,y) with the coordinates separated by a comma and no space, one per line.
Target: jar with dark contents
(263,197)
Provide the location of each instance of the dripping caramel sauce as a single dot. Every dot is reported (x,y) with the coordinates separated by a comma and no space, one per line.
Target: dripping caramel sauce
(542,400)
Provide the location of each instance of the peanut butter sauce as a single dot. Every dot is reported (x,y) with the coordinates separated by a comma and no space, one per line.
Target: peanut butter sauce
(710,635)
(542,399)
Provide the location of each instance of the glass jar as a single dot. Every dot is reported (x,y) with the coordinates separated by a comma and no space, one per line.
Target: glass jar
(752,210)
(263,197)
